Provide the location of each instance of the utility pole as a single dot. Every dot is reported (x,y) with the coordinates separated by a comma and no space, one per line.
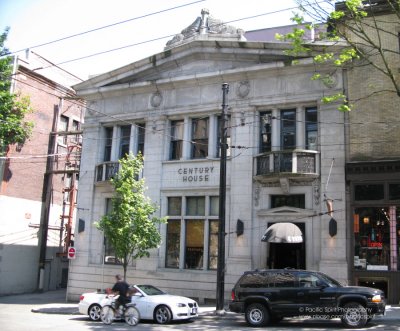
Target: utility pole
(222,199)
(46,197)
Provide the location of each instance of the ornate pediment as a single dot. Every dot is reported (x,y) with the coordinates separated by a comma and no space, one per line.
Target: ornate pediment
(205,27)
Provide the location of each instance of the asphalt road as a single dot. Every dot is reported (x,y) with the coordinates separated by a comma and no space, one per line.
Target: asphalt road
(49,311)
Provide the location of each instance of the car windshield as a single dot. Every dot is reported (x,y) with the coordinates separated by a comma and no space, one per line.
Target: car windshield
(150,290)
(329,280)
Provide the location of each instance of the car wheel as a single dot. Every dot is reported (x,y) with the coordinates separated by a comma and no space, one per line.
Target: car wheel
(94,312)
(354,315)
(162,314)
(257,315)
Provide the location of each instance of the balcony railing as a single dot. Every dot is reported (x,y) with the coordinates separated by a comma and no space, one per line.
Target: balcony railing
(106,170)
(289,162)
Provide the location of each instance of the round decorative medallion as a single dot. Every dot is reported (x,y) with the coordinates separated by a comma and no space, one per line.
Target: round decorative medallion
(156,99)
(243,89)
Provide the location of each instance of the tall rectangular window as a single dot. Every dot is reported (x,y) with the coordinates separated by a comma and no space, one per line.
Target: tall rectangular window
(288,129)
(228,136)
(63,126)
(140,137)
(109,251)
(199,138)
(176,140)
(108,143)
(311,128)
(194,251)
(265,132)
(75,127)
(173,243)
(174,206)
(124,141)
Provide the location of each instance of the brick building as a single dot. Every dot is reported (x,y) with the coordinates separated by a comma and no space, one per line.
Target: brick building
(29,177)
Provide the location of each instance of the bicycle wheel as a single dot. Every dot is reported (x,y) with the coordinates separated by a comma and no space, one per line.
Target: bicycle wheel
(132,316)
(107,314)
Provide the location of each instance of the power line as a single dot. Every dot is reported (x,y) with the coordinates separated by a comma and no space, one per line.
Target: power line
(104,27)
(164,37)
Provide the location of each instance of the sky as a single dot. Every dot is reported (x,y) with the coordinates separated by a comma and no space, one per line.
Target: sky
(149,24)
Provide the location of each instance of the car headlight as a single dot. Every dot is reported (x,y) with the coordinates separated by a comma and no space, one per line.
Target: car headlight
(376,298)
(181,305)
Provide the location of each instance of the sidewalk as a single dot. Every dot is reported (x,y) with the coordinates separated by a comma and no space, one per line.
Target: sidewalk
(54,302)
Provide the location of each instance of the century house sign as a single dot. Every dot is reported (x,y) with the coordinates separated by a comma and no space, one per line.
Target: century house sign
(195,174)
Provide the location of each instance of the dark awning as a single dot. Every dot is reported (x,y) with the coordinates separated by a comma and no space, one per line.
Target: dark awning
(283,233)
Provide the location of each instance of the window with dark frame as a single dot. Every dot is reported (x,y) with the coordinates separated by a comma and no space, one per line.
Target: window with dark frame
(288,129)
(364,192)
(200,127)
(228,136)
(124,141)
(108,143)
(141,137)
(176,140)
(265,132)
(294,200)
(311,117)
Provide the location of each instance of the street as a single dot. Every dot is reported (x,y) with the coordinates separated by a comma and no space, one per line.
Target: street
(48,311)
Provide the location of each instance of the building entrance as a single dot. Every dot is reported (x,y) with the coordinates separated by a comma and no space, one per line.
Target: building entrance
(287,255)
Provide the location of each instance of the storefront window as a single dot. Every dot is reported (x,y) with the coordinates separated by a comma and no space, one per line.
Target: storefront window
(394,191)
(369,192)
(377,238)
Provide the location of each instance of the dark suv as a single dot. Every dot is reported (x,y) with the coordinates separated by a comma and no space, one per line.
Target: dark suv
(266,296)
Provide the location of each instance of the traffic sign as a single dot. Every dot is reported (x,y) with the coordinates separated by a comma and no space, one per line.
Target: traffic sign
(71,252)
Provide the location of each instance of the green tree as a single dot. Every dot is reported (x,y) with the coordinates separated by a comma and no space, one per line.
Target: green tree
(13,108)
(129,226)
(367,39)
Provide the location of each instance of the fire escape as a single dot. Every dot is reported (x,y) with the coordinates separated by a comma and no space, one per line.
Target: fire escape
(70,163)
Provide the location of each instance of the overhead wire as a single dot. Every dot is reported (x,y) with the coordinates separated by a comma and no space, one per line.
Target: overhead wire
(105,27)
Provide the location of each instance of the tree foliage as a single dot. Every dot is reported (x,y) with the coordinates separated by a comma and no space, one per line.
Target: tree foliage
(13,108)
(366,38)
(129,226)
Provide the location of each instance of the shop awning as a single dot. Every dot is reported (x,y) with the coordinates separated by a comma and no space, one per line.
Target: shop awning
(283,233)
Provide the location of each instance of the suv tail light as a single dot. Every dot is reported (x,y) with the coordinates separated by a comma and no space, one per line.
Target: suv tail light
(233,295)
(81,298)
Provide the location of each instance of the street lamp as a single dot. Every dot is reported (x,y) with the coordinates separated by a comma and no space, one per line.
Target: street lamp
(222,198)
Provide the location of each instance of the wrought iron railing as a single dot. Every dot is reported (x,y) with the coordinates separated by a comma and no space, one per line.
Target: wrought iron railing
(295,162)
(106,170)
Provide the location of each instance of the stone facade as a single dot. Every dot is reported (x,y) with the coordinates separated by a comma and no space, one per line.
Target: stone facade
(183,84)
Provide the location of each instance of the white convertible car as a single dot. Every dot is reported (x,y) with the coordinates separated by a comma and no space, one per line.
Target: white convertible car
(152,303)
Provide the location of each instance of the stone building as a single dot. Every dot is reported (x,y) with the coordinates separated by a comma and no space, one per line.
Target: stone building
(33,233)
(282,164)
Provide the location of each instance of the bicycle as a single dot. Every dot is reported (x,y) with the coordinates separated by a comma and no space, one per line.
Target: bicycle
(109,311)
